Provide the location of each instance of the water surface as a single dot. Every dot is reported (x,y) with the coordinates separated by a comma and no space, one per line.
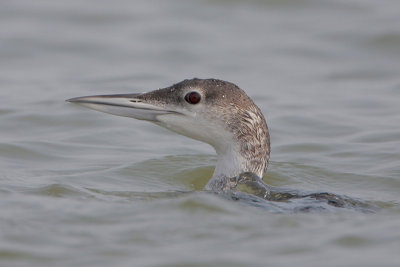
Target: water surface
(78,187)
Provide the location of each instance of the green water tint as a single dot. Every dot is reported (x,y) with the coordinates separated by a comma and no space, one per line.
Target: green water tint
(252,185)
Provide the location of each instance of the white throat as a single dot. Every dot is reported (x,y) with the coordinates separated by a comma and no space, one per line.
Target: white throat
(229,164)
(230,161)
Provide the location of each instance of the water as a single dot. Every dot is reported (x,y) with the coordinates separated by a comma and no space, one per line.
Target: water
(78,187)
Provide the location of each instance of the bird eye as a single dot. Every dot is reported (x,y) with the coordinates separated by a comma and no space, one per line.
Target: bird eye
(193,97)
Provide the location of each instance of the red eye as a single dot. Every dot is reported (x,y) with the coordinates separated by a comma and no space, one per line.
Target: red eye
(193,97)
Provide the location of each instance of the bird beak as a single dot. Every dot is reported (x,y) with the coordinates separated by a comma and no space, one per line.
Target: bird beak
(126,105)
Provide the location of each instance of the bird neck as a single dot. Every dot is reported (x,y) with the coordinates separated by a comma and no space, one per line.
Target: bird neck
(247,151)
(233,160)
(230,162)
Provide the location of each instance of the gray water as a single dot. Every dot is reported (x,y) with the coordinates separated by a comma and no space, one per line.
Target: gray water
(83,188)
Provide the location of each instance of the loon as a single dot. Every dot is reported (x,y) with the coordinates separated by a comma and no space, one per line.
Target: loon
(221,114)
(209,110)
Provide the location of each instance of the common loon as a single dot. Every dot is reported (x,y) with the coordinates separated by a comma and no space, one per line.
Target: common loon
(221,114)
(209,110)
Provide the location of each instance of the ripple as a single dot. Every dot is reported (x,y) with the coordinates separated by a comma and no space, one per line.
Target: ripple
(378,137)
(386,42)
(59,191)
(134,195)
(22,152)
